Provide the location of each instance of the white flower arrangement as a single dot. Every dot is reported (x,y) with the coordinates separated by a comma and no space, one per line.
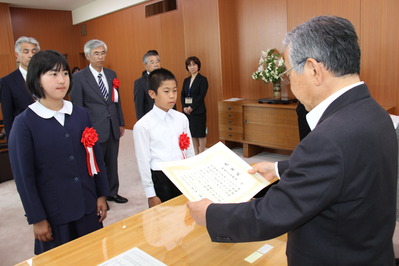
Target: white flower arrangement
(271,65)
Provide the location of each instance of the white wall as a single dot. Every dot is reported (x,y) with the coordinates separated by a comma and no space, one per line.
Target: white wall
(99,8)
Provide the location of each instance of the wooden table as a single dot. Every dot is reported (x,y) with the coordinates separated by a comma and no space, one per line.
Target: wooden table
(166,232)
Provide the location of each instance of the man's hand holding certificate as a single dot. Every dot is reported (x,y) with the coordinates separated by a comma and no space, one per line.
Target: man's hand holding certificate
(217,174)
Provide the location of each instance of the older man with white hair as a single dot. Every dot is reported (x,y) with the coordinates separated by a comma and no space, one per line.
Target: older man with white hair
(96,88)
(14,95)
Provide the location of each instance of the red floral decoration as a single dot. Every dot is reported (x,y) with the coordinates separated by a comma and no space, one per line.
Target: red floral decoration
(116,83)
(184,143)
(89,139)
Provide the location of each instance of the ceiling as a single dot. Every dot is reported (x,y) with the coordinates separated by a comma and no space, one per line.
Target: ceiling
(48,4)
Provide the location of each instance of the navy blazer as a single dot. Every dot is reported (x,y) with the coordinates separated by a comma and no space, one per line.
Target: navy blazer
(107,116)
(337,193)
(49,166)
(15,98)
(198,91)
(142,100)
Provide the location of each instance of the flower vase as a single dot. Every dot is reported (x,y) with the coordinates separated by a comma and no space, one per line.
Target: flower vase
(277,90)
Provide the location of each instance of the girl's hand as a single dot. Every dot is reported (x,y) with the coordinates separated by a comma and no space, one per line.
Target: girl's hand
(101,208)
(42,231)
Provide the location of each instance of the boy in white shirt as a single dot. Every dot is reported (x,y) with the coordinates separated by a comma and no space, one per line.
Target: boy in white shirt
(157,135)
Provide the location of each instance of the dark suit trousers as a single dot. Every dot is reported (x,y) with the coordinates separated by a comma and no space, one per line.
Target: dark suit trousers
(110,150)
(164,188)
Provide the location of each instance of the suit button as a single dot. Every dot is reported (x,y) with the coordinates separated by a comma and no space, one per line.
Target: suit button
(76,179)
(71,157)
(109,116)
(66,135)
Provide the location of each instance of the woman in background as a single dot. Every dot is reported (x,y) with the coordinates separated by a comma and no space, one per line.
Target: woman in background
(62,191)
(193,102)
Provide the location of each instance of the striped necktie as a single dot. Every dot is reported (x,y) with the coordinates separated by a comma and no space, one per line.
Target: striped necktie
(102,87)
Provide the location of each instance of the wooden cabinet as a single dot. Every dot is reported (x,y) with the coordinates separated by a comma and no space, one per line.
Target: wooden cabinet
(230,121)
(258,125)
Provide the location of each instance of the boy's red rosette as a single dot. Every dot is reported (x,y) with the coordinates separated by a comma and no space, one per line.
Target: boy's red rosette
(184,143)
(115,85)
(89,139)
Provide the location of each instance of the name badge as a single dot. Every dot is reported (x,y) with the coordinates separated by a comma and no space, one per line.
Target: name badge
(188,100)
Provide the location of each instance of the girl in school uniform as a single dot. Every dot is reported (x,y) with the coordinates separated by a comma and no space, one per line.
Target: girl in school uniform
(56,164)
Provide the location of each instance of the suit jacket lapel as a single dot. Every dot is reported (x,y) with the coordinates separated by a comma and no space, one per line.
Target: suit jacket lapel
(195,81)
(109,78)
(93,83)
(19,79)
(355,94)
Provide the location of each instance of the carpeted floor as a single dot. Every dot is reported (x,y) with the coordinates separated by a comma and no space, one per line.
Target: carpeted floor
(16,235)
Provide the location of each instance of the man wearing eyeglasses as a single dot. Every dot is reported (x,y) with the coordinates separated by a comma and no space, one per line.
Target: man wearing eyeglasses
(93,88)
(142,101)
(336,196)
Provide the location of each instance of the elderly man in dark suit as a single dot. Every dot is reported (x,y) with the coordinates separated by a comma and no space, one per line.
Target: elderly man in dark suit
(142,101)
(337,193)
(14,95)
(95,89)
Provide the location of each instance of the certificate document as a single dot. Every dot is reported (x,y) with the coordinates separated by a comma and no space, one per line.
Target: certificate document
(217,174)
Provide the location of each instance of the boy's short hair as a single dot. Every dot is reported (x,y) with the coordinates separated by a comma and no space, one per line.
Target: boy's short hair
(158,76)
(40,63)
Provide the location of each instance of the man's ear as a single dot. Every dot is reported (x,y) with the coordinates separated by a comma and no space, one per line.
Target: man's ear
(152,94)
(315,70)
(87,57)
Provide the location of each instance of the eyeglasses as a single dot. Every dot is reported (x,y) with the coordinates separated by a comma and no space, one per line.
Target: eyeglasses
(284,77)
(98,54)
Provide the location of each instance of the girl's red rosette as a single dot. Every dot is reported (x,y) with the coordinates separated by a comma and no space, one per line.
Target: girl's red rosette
(89,139)
(184,143)
(115,85)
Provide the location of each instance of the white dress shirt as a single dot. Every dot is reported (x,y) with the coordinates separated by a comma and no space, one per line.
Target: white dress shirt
(156,139)
(95,74)
(46,113)
(315,114)
(23,72)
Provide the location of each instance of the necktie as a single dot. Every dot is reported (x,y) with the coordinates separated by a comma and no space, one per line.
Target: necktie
(102,87)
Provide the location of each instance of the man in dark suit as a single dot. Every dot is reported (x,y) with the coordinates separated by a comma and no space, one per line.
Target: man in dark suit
(93,88)
(337,193)
(142,101)
(15,97)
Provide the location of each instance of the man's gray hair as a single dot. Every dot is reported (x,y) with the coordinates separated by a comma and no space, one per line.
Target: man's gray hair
(24,39)
(330,40)
(148,54)
(93,44)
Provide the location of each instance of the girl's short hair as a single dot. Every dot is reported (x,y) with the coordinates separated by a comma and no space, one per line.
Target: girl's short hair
(195,60)
(39,64)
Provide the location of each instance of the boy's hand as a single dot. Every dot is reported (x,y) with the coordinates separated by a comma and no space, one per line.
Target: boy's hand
(42,231)
(153,201)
